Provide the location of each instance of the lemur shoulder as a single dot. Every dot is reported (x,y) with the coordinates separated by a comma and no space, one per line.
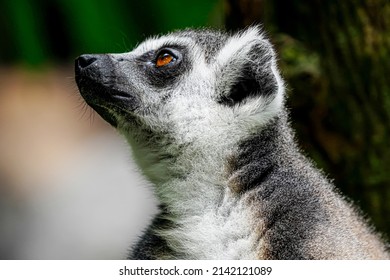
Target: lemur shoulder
(204,113)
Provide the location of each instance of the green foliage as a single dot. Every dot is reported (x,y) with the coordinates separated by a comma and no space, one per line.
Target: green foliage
(28,39)
(36,32)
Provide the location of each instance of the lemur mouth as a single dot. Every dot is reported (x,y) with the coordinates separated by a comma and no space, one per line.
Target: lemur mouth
(96,80)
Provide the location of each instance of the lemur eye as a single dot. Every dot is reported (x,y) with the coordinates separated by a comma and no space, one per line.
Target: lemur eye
(164,58)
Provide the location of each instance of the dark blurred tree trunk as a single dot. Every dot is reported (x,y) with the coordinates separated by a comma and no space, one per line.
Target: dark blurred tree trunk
(241,13)
(335,56)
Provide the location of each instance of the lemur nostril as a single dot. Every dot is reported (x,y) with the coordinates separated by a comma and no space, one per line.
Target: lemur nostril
(85,60)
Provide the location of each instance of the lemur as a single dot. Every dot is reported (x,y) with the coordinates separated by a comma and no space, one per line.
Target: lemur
(204,113)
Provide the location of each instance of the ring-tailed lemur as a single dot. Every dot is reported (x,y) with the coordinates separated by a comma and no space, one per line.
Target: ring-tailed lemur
(204,114)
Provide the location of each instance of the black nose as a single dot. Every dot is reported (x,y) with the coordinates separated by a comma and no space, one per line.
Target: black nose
(83,61)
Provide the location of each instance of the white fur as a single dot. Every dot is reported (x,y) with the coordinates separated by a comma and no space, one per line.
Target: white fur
(236,43)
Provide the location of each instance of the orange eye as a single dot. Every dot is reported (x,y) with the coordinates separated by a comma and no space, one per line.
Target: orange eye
(164,59)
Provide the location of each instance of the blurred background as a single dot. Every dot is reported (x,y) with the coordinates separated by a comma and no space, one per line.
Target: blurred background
(68,186)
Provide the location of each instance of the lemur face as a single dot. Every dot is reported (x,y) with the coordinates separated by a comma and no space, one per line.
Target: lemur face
(190,85)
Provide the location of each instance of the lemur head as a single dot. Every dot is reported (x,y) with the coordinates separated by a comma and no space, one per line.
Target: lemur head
(191,88)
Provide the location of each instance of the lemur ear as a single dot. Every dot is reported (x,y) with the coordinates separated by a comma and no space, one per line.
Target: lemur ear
(246,68)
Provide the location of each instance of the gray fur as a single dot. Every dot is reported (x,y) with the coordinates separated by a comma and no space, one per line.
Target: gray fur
(210,130)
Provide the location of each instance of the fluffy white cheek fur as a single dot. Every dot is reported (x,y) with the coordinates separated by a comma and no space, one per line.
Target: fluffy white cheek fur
(201,121)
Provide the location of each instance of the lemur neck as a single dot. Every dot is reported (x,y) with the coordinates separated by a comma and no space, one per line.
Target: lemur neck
(196,176)
(202,178)
(208,203)
(204,191)
(198,180)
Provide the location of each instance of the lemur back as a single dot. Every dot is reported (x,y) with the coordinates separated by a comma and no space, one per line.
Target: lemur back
(204,114)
